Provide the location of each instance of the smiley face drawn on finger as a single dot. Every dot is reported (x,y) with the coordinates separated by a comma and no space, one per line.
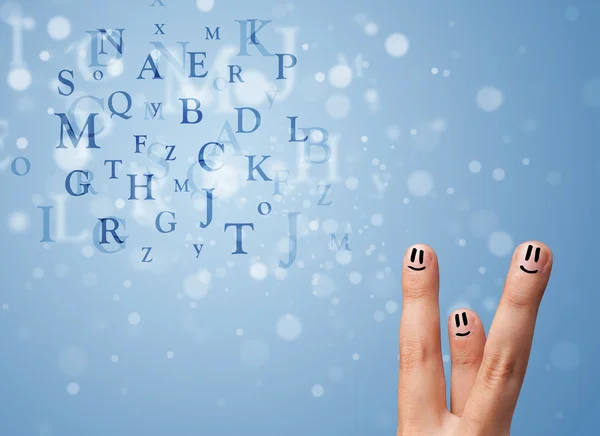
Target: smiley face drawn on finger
(530,264)
(465,324)
(413,258)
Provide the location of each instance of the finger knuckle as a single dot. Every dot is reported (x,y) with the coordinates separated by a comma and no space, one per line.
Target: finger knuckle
(413,354)
(415,289)
(522,299)
(466,358)
(497,370)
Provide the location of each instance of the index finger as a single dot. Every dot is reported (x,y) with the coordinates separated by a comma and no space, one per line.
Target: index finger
(421,386)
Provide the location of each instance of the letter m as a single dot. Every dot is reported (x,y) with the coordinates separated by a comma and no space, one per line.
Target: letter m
(335,246)
(212,35)
(65,126)
(179,187)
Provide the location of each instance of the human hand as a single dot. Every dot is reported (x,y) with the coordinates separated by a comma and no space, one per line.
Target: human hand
(486,374)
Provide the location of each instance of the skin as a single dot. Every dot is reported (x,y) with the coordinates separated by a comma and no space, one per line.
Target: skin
(487,374)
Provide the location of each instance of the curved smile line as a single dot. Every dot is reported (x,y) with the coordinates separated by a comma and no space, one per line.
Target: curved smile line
(417,269)
(464,334)
(527,271)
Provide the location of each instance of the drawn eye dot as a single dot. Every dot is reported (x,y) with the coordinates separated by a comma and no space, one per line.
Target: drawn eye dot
(530,252)
(414,258)
(457,319)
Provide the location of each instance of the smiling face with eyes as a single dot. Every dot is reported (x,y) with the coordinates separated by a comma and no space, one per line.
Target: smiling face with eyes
(530,265)
(417,264)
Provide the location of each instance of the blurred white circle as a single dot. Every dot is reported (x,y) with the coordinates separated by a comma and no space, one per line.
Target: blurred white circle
(115,68)
(500,244)
(498,174)
(38,273)
(280,273)
(87,251)
(371,96)
(420,183)
(59,28)
(18,221)
(329,226)
(489,98)
(196,286)
(474,166)
(73,388)
(19,78)
(205,5)
(377,219)
(134,318)
(258,271)
(289,327)
(29,23)
(391,306)
(318,391)
(351,183)
(396,45)
(355,277)
(340,76)
(22,143)
(10,11)
(370,28)
(343,257)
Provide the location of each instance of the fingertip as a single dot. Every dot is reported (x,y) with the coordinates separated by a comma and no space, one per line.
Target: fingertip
(463,323)
(419,257)
(532,257)
(420,273)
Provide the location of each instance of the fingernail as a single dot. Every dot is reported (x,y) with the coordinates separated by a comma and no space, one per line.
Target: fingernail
(418,258)
(461,323)
(531,258)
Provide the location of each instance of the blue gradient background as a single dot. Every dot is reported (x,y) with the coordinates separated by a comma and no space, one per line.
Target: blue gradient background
(66,307)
